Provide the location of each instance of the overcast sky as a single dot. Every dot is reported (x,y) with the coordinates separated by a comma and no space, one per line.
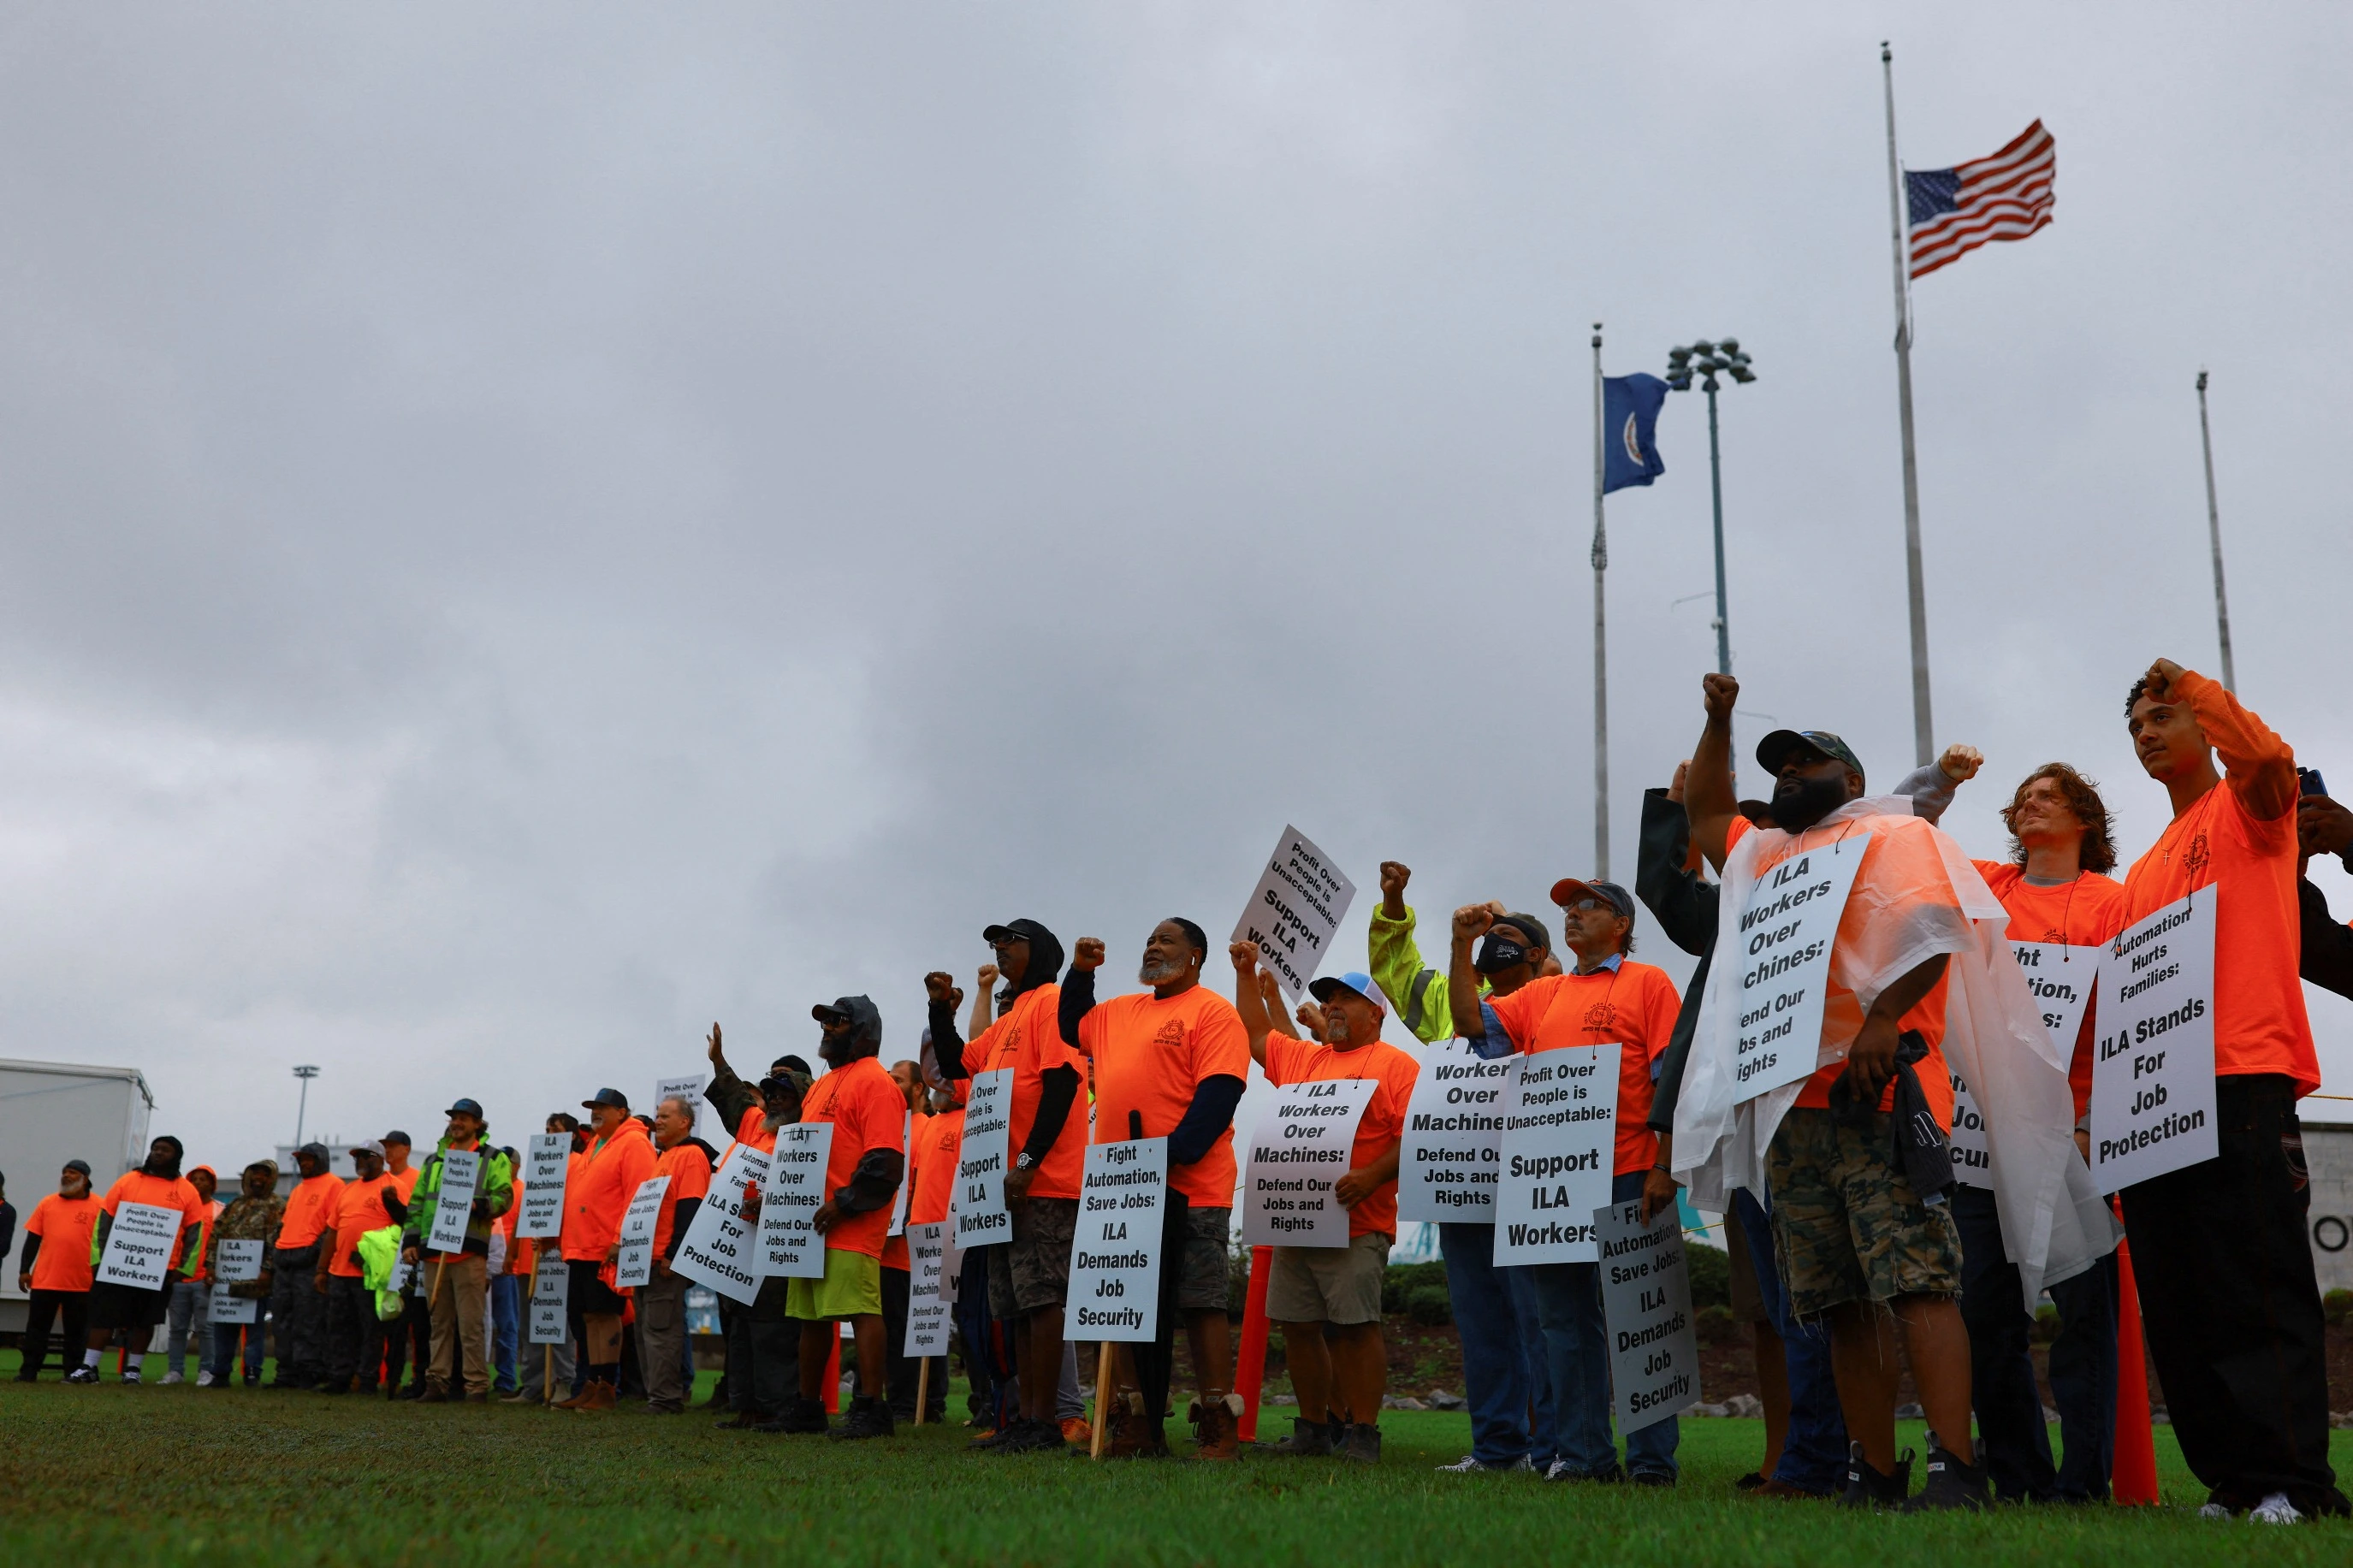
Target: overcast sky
(530,530)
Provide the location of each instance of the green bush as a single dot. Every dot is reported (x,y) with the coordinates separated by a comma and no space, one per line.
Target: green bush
(2337,1307)
(1711,1275)
(1404,1279)
(2046,1324)
(1428,1305)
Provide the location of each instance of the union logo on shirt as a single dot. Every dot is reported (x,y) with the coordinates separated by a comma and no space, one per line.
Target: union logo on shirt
(2195,857)
(2053,934)
(1602,1014)
(1172,1032)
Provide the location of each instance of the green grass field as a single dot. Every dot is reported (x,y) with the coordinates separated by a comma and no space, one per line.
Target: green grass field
(121,1475)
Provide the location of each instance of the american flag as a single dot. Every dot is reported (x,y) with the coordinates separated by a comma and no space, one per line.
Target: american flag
(2006,196)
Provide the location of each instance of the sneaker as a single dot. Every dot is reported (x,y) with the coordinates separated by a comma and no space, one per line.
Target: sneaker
(1034,1437)
(2275,1509)
(1951,1484)
(253,1380)
(802,1417)
(1473,1465)
(2215,1510)
(130,1377)
(83,1374)
(1867,1488)
(1308,1440)
(1751,1481)
(868,1417)
(1652,1479)
(989,1441)
(204,1380)
(520,1396)
(1562,1470)
(1076,1433)
(172,1377)
(1364,1443)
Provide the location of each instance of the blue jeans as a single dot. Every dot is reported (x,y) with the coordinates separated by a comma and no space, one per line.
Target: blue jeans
(2083,1380)
(1813,1455)
(1505,1378)
(1577,1344)
(191,1308)
(222,1363)
(506,1328)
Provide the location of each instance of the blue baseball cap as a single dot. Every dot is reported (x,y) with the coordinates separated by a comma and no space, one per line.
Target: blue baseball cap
(1355,980)
(472,1107)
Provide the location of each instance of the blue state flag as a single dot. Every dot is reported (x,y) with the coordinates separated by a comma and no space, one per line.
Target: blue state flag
(1629,422)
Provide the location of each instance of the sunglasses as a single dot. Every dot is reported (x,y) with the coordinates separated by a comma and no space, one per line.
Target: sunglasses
(1591,906)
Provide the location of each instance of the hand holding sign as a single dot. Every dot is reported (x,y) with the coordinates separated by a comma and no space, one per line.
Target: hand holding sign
(1295,911)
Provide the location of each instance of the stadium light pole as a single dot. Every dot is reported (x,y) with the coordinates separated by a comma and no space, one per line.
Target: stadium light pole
(306,1074)
(2214,538)
(1707,361)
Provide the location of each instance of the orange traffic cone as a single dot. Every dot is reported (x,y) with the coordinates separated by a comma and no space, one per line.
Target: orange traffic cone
(1250,1376)
(2135,1482)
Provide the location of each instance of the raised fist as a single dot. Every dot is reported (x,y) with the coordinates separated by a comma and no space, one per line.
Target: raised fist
(939,988)
(1244,955)
(988,976)
(1394,877)
(2160,679)
(1472,921)
(1090,953)
(1717,693)
(1961,763)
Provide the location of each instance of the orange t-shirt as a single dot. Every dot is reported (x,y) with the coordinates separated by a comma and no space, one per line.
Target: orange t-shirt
(162,1193)
(1381,1128)
(310,1209)
(1898,858)
(1635,1004)
(1029,1039)
(1151,1057)
(2086,912)
(935,1162)
(689,1170)
(359,1209)
(2260,1025)
(405,1182)
(600,1188)
(894,1247)
(64,1225)
(868,1113)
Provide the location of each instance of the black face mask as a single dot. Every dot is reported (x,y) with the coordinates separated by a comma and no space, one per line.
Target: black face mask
(1497,954)
(1809,803)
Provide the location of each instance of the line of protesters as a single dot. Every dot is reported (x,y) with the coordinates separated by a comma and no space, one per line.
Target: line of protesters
(1845,1243)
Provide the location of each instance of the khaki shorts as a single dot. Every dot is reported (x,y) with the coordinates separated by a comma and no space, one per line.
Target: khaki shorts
(1201,1283)
(1846,1223)
(852,1286)
(1339,1285)
(1033,1271)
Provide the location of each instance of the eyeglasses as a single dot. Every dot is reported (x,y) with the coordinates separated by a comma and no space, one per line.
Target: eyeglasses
(1591,906)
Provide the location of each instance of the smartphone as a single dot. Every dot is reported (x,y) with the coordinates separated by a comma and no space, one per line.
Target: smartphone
(2309,782)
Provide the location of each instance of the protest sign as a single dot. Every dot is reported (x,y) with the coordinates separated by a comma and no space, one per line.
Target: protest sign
(976,1201)
(1646,1303)
(1114,1287)
(1560,1129)
(551,1299)
(790,1246)
(636,1268)
(1453,1135)
(236,1260)
(228,1309)
(906,1175)
(139,1247)
(2153,1065)
(951,1265)
(1298,1150)
(1785,933)
(2060,978)
(547,1162)
(461,1168)
(720,1249)
(688,1089)
(1295,911)
(927,1306)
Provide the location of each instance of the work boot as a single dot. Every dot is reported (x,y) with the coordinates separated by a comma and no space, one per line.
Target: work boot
(597,1398)
(869,1417)
(1217,1428)
(1308,1439)
(435,1394)
(1951,1484)
(1035,1437)
(1364,1443)
(801,1417)
(989,1441)
(1129,1433)
(1867,1488)
(587,1392)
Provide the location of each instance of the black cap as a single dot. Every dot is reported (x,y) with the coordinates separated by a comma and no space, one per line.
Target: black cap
(82,1165)
(472,1107)
(1568,889)
(1774,750)
(316,1150)
(397,1136)
(612,1097)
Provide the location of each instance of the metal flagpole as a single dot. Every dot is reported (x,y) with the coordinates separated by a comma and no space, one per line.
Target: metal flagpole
(2214,536)
(1601,642)
(1923,731)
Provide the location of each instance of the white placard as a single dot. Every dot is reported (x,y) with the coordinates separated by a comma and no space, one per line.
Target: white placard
(1646,1303)
(547,1163)
(927,1304)
(720,1249)
(228,1309)
(636,1266)
(139,1246)
(906,1175)
(1298,1150)
(461,1171)
(689,1090)
(976,1199)
(2153,1062)
(2060,978)
(790,1246)
(1295,911)
(1114,1287)
(551,1298)
(1560,1130)
(951,1266)
(1785,937)
(237,1259)
(1453,1136)
(404,1274)
(1972,1156)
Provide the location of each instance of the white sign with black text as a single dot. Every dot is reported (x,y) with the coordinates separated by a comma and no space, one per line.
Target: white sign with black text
(237,1259)
(928,1308)
(2153,1056)
(461,1171)
(1453,1135)
(636,1268)
(1785,937)
(1560,1130)
(688,1089)
(1298,1150)
(1646,1304)
(720,1249)
(1114,1288)
(228,1309)
(977,1200)
(551,1299)
(547,1161)
(139,1247)
(790,1244)
(1295,911)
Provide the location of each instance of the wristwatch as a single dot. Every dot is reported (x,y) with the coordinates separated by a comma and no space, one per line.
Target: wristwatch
(1023,1161)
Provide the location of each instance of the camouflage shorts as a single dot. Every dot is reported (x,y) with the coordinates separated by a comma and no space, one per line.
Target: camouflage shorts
(1846,1223)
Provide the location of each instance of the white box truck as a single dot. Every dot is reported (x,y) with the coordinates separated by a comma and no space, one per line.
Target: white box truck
(54,1111)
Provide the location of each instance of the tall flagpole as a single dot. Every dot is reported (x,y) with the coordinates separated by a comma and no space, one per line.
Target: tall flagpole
(1600,643)
(2214,536)
(1923,731)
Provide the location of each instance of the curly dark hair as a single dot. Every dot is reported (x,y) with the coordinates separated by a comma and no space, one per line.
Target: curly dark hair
(2139,690)
(2082,797)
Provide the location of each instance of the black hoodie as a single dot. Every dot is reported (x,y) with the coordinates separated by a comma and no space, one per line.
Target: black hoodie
(1059,1087)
